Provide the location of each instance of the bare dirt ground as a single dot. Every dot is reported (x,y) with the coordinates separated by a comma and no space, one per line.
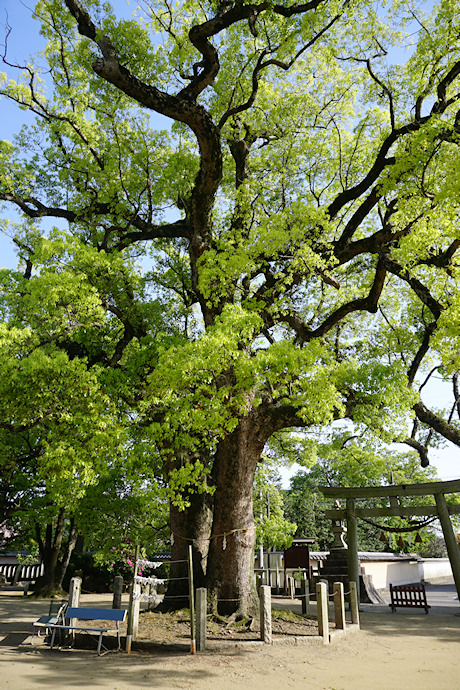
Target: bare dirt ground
(174,628)
(391,652)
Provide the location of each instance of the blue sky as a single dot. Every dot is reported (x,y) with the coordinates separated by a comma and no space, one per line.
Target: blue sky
(23,41)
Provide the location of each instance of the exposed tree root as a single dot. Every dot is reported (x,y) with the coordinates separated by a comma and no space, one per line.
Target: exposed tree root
(235,620)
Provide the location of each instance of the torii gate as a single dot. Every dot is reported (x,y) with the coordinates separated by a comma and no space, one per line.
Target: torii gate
(442,510)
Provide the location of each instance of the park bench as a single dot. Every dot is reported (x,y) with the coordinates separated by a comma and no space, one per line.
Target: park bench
(409,596)
(88,614)
(56,615)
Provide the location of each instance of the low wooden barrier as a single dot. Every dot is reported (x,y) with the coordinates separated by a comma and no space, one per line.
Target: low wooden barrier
(409,596)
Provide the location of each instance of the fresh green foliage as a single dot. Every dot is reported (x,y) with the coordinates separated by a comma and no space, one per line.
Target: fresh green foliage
(273,530)
(285,254)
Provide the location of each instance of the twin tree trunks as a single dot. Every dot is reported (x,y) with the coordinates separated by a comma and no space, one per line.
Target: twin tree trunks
(56,543)
(221,528)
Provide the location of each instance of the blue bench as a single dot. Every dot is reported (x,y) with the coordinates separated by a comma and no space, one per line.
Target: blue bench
(87,614)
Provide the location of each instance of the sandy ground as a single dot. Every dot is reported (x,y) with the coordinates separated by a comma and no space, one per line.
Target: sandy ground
(404,650)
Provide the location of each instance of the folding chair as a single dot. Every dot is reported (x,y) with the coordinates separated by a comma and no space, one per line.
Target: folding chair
(56,615)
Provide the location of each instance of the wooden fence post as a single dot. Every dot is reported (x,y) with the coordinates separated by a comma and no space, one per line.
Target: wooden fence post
(74,598)
(117,591)
(201,610)
(339,606)
(354,605)
(192,601)
(131,608)
(74,592)
(265,614)
(136,609)
(322,610)
(304,593)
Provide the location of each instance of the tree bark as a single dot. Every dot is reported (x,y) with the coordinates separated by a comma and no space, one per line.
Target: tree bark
(230,573)
(436,422)
(55,549)
(190,526)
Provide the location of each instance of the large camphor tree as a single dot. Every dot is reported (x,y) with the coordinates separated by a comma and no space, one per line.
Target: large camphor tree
(296,228)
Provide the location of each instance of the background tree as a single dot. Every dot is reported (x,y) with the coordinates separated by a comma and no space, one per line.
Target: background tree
(54,440)
(121,508)
(273,529)
(347,461)
(308,179)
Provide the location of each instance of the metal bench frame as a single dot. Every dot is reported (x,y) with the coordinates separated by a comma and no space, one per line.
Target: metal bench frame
(408,596)
(88,614)
(56,615)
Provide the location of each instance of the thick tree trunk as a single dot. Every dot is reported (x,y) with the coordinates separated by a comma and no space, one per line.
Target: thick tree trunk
(230,573)
(55,549)
(188,527)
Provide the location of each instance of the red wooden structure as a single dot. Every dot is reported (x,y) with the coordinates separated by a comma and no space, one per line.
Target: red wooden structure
(298,556)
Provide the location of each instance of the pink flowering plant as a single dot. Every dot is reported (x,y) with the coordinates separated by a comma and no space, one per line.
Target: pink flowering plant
(123,560)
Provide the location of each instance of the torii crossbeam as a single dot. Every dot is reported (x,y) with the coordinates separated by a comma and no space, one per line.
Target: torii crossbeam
(442,509)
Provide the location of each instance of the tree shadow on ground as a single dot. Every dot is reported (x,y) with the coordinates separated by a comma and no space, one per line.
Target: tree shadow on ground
(153,666)
(445,628)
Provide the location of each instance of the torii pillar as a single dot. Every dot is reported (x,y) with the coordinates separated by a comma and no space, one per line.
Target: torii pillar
(449,538)
(352,541)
